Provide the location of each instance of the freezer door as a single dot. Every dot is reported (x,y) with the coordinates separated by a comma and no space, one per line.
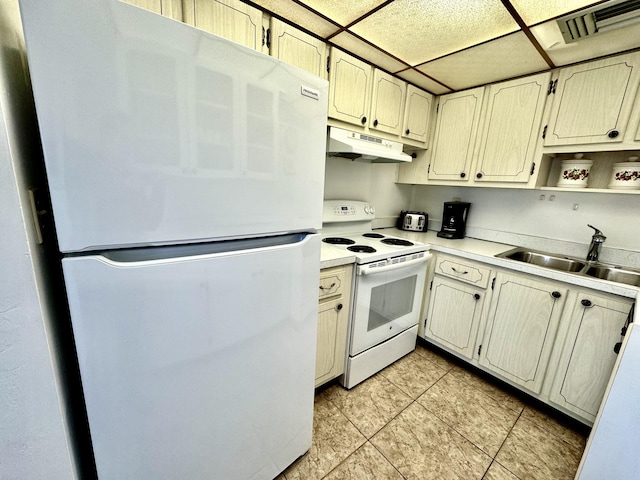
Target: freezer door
(198,366)
(155,132)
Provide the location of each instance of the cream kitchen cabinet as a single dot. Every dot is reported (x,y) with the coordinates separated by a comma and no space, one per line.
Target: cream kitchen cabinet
(458,292)
(231,19)
(350,83)
(593,101)
(417,113)
(333,322)
(509,136)
(594,323)
(457,120)
(387,103)
(297,48)
(522,322)
(167,8)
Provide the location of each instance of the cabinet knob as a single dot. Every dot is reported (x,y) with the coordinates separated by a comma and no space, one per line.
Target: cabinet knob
(617,347)
(586,303)
(613,134)
(339,307)
(476,296)
(375,123)
(363,120)
(479,175)
(556,294)
(407,131)
(462,175)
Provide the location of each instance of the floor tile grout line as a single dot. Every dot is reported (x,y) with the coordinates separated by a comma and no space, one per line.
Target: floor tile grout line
(502,445)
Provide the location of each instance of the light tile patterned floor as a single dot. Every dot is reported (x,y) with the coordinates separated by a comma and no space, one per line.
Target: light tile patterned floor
(429,417)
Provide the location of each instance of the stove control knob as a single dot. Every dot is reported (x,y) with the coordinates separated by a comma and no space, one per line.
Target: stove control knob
(366,209)
(372,210)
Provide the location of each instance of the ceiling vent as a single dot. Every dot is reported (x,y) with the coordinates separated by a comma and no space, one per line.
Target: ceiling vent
(601,18)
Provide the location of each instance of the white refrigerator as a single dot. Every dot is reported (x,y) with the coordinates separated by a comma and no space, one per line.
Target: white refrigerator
(186,179)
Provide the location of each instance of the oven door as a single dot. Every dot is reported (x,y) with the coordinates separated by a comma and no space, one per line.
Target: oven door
(387,302)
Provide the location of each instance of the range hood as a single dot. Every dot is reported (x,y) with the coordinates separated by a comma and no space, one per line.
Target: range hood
(364,148)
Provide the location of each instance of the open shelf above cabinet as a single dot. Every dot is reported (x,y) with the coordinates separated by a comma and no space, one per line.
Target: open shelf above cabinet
(599,174)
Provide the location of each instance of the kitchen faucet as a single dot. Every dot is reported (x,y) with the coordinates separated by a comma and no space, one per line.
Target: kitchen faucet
(596,241)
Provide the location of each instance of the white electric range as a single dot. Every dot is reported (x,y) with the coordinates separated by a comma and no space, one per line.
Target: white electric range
(389,282)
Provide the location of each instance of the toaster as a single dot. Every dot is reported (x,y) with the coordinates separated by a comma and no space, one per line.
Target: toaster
(413,221)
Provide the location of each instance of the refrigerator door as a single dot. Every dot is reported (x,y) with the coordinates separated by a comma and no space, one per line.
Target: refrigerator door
(200,365)
(155,132)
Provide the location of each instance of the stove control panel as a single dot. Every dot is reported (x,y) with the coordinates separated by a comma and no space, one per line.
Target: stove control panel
(347,211)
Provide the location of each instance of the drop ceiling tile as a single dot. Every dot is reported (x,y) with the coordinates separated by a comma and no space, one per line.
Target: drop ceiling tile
(365,51)
(299,15)
(421,81)
(418,30)
(601,44)
(343,12)
(542,10)
(506,57)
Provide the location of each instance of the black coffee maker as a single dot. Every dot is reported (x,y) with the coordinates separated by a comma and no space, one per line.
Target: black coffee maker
(454,219)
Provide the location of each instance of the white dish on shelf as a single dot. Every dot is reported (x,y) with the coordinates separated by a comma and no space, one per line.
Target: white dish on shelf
(626,175)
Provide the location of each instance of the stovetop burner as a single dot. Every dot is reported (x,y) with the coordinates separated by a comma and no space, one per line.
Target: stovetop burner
(397,241)
(373,235)
(338,241)
(362,249)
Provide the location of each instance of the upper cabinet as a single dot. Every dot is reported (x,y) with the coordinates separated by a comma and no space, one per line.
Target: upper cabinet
(458,116)
(417,112)
(167,8)
(509,137)
(593,102)
(231,19)
(349,88)
(387,103)
(297,48)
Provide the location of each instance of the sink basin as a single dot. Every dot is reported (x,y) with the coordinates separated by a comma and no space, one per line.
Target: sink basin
(543,259)
(614,274)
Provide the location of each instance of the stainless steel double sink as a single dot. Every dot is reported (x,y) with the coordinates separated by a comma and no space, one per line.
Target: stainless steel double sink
(612,273)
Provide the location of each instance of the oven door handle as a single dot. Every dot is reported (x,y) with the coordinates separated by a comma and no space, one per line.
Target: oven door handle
(394,266)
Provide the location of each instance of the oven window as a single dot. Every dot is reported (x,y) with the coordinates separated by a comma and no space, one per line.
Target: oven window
(390,301)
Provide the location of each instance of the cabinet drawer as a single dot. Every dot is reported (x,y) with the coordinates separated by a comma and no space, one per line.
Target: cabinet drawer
(466,271)
(332,282)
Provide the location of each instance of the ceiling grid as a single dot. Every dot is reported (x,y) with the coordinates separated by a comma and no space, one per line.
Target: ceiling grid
(451,45)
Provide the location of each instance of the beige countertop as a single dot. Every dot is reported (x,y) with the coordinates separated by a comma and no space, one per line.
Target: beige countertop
(485,252)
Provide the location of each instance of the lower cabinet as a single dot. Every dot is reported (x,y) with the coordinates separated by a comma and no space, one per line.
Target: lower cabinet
(333,322)
(554,340)
(595,325)
(457,297)
(523,320)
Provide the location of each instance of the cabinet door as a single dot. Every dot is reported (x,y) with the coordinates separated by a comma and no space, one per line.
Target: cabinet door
(454,315)
(168,8)
(349,88)
(387,103)
(593,101)
(588,357)
(456,128)
(512,123)
(231,19)
(298,48)
(521,327)
(417,113)
(331,342)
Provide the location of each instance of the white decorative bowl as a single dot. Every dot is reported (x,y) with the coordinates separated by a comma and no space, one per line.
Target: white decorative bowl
(626,175)
(574,173)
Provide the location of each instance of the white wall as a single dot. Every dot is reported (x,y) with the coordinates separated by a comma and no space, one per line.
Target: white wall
(522,212)
(372,182)
(33,437)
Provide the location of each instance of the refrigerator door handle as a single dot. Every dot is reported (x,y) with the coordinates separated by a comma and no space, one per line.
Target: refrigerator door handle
(180,253)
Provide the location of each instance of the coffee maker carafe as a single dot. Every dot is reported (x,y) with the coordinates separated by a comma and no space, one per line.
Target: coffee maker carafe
(454,219)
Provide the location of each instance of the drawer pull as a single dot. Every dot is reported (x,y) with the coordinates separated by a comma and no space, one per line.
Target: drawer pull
(329,287)
(459,271)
